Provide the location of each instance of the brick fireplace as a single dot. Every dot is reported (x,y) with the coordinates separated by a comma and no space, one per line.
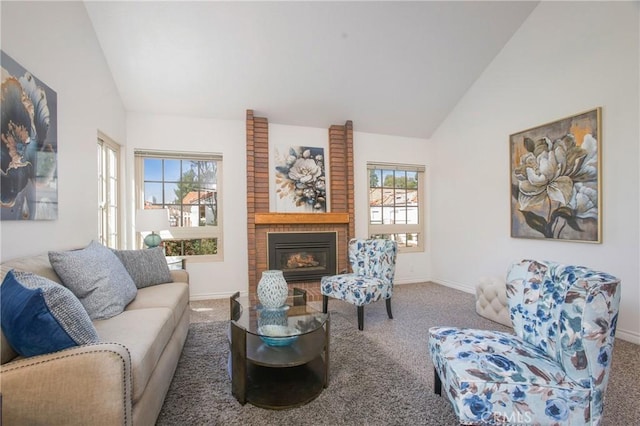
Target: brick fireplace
(261,221)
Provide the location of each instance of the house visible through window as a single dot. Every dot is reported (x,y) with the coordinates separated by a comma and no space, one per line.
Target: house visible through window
(396,207)
(108,192)
(188,186)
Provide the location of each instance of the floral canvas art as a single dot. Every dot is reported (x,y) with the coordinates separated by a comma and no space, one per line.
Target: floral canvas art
(28,160)
(300,180)
(555,180)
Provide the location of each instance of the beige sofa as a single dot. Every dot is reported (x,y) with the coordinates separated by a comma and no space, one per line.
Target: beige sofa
(121,381)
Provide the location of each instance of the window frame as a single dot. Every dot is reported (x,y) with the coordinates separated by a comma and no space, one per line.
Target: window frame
(191,232)
(399,228)
(105,190)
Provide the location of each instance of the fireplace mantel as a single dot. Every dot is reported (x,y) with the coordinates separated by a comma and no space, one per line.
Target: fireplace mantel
(300,218)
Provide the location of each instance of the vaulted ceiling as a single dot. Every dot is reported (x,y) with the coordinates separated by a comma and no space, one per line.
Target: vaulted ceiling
(392,67)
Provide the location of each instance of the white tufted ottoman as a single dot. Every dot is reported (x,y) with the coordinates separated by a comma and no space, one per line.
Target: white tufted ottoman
(491,300)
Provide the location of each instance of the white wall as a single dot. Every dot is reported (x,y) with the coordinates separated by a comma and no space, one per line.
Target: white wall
(568,57)
(368,147)
(56,43)
(226,137)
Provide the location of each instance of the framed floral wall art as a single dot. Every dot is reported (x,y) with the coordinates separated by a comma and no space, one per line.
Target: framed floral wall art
(300,180)
(556,180)
(29,146)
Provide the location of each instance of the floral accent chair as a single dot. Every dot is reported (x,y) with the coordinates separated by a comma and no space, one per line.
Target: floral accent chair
(554,370)
(373,263)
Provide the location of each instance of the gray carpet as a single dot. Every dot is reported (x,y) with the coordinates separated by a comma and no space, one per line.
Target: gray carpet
(380,376)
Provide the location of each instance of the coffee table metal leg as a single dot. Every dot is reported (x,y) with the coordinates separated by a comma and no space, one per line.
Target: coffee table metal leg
(239,363)
(326,350)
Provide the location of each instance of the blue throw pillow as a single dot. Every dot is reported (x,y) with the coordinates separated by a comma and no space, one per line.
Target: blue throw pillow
(39,316)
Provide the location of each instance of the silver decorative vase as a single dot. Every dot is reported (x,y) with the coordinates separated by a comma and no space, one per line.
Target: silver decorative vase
(272,289)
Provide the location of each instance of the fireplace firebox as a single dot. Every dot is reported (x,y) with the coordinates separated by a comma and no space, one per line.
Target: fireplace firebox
(302,256)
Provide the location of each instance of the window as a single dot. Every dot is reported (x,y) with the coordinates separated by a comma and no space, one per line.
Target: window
(396,208)
(188,185)
(108,192)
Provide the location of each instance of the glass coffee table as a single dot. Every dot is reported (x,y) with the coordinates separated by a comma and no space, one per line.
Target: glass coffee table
(279,358)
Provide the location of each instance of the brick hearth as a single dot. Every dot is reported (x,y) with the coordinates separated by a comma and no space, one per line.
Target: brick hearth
(260,220)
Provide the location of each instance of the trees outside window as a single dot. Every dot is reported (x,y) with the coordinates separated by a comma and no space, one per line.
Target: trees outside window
(188,185)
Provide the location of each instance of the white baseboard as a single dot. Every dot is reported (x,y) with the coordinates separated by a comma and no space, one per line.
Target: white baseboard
(454,285)
(227,294)
(629,336)
(411,280)
(207,296)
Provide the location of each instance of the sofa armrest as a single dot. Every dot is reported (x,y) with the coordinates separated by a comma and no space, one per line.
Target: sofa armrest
(180,276)
(89,384)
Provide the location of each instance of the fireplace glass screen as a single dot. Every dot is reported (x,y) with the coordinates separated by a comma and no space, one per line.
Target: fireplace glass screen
(303,256)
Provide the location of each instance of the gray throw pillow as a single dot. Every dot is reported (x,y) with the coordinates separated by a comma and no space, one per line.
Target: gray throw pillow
(147,267)
(97,277)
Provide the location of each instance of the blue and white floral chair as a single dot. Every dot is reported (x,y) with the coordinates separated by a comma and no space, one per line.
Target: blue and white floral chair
(373,263)
(554,370)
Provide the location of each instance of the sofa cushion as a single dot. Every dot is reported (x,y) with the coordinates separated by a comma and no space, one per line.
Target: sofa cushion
(40,316)
(147,267)
(38,265)
(145,332)
(174,296)
(97,277)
